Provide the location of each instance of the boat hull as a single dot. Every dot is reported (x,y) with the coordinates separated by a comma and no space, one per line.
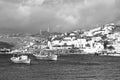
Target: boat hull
(43,57)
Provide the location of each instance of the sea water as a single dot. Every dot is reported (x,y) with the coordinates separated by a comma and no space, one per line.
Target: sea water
(68,67)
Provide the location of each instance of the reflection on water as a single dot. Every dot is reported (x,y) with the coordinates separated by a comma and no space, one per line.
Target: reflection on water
(68,67)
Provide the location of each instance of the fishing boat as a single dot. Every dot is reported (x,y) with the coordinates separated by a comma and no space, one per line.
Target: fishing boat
(114,54)
(21,59)
(45,55)
(111,54)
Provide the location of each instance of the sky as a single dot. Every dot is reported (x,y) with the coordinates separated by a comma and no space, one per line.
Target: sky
(58,15)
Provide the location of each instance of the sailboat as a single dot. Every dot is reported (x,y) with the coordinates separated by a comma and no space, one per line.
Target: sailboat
(21,59)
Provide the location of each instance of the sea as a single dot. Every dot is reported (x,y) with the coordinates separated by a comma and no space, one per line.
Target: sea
(67,67)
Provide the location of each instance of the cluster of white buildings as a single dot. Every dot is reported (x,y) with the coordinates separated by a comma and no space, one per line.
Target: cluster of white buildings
(92,41)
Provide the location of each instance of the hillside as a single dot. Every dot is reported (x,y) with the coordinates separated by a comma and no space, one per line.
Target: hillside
(5,45)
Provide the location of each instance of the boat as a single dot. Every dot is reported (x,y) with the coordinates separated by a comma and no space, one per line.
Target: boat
(111,54)
(115,54)
(44,55)
(21,59)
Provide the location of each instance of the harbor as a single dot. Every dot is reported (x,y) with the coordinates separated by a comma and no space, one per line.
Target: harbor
(59,40)
(62,56)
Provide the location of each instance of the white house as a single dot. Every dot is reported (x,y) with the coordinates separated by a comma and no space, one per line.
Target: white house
(93,47)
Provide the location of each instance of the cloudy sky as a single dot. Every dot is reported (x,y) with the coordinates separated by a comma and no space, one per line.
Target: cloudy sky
(58,15)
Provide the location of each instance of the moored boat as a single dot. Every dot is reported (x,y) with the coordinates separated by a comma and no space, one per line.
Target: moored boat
(110,54)
(44,55)
(21,59)
(114,54)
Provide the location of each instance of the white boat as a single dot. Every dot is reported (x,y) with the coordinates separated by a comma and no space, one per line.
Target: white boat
(114,54)
(21,59)
(110,54)
(44,55)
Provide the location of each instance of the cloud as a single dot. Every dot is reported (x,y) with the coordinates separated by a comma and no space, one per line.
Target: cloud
(88,13)
(68,14)
(98,2)
(34,2)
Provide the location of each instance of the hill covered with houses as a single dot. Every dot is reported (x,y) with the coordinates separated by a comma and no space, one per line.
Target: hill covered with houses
(105,38)
(97,40)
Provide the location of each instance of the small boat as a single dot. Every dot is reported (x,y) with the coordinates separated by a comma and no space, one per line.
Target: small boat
(46,56)
(114,54)
(21,59)
(110,54)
